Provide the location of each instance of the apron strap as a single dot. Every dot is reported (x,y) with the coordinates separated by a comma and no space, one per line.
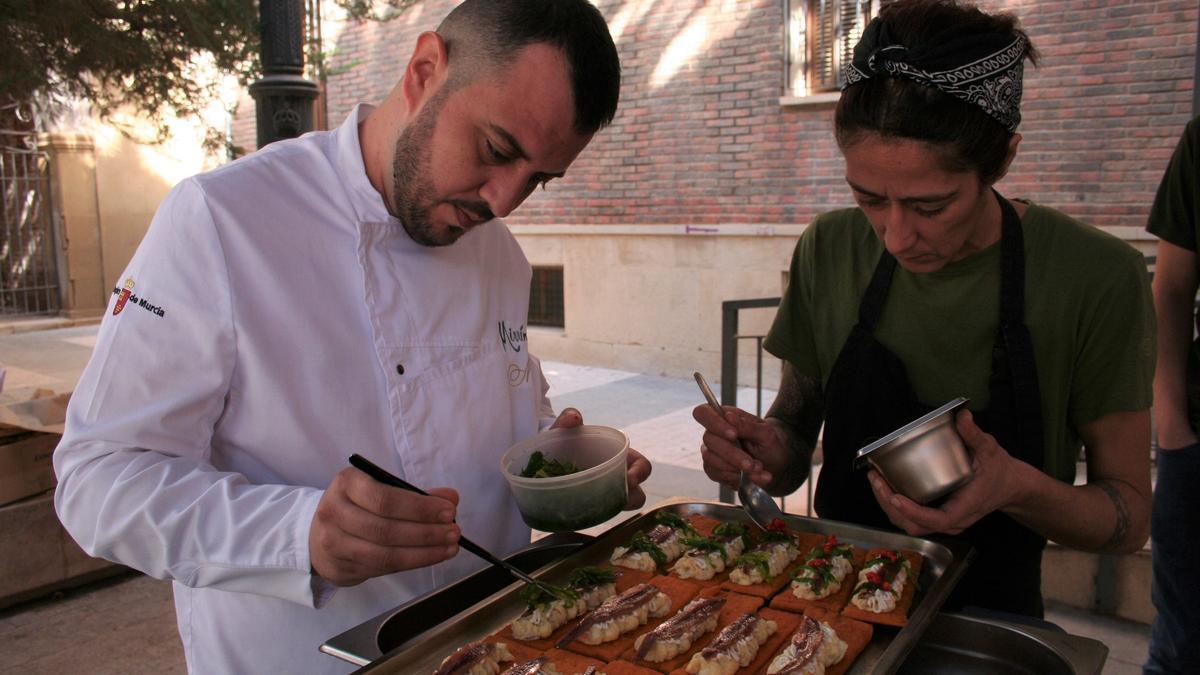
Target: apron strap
(871,306)
(1013,355)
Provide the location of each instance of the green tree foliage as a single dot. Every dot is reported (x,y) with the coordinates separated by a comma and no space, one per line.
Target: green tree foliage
(143,54)
(114,53)
(374,10)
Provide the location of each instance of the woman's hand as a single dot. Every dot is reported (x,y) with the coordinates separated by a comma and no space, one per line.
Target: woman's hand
(761,453)
(995,485)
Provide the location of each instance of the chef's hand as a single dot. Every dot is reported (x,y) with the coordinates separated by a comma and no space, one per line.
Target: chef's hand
(762,453)
(364,529)
(637,467)
(991,489)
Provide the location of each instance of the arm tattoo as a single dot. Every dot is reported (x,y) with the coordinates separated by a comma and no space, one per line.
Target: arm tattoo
(797,413)
(1121,528)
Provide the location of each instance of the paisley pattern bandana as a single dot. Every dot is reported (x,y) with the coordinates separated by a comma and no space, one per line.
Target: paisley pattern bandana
(984,70)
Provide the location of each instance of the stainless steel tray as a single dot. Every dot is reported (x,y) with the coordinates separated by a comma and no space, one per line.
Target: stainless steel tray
(945,562)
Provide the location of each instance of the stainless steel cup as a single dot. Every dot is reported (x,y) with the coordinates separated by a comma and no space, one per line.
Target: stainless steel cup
(923,460)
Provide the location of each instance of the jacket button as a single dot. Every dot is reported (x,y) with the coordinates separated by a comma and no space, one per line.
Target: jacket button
(399,368)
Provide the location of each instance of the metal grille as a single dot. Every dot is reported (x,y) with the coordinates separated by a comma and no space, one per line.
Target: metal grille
(546,297)
(28,251)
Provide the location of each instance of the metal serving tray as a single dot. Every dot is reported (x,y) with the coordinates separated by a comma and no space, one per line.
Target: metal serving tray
(421,647)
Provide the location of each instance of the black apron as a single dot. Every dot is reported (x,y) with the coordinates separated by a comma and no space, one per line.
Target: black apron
(869,395)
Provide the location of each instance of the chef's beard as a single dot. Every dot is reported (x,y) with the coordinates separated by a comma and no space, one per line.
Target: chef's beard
(412,187)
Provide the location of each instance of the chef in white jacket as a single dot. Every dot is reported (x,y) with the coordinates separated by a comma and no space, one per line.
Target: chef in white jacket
(348,291)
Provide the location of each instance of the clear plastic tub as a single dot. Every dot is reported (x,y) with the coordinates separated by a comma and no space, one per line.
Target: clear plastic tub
(578,500)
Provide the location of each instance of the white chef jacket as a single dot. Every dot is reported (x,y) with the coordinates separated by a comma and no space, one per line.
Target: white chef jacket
(275,320)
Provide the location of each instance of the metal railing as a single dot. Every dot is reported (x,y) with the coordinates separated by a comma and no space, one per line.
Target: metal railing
(730,338)
(29,282)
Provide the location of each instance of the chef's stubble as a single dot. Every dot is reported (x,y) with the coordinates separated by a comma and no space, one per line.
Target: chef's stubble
(412,186)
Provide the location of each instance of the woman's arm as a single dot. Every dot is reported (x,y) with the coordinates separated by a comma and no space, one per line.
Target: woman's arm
(1110,513)
(1175,282)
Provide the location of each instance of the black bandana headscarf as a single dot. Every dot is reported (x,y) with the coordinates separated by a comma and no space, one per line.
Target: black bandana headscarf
(984,70)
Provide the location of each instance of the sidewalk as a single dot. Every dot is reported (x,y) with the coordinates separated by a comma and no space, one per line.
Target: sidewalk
(126,625)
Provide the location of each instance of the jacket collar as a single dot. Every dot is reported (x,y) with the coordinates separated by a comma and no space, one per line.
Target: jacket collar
(367,202)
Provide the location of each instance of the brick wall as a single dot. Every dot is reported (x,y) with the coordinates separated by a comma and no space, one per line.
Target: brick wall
(701,137)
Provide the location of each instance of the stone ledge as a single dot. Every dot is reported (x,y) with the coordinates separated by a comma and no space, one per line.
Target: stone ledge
(1114,585)
(38,557)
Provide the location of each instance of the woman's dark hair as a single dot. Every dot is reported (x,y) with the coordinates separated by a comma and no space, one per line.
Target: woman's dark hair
(897,107)
(483,34)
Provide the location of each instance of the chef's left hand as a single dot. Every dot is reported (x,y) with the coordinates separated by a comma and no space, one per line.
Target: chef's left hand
(637,467)
(991,489)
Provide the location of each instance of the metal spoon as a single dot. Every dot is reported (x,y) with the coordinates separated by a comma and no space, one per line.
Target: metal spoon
(755,500)
(387,478)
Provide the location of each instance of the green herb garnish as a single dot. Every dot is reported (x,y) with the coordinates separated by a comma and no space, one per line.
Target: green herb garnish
(705,544)
(819,577)
(545,594)
(772,536)
(675,521)
(642,543)
(732,530)
(540,467)
(759,559)
(843,551)
(591,577)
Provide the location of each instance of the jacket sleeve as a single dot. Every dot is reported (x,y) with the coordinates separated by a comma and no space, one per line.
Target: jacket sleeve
(546,415)
(135,482)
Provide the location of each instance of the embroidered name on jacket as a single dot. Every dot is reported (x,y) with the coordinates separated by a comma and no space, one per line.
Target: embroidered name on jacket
(512,338)
(125,295)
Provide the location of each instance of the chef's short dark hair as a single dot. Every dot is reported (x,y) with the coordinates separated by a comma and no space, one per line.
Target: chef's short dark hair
(483,34)
(897,107)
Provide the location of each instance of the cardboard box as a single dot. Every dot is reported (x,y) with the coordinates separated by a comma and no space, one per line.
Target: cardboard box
(29,432)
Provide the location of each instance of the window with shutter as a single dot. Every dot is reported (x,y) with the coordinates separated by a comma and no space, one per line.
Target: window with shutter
(821,36)
(546,297)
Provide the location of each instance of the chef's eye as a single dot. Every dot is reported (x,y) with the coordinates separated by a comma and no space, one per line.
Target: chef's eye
(928,213)
(868,203)
(494,155)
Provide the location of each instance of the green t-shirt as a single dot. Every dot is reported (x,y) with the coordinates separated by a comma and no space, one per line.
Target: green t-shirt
(1175,215)
(1087,306)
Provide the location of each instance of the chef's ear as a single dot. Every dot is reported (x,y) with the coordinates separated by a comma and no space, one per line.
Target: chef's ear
(426,70)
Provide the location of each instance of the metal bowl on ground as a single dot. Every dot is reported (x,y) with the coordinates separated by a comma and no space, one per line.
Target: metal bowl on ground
(957,644)
(923,460)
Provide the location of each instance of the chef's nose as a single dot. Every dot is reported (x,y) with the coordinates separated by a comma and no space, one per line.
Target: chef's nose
(504,191)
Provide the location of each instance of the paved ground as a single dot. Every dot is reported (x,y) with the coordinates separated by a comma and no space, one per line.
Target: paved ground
(127,625)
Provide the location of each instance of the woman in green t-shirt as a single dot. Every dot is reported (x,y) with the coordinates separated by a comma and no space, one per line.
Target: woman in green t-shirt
(937,287)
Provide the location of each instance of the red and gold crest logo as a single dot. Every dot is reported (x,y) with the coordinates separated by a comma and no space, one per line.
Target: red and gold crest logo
(124,297)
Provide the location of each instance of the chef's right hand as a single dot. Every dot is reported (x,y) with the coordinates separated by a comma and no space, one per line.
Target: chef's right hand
(761,453)
(364,529)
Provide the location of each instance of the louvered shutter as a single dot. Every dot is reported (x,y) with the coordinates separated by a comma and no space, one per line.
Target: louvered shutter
(834,27)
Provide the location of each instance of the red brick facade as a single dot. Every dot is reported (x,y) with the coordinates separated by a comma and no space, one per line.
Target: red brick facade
(701,136)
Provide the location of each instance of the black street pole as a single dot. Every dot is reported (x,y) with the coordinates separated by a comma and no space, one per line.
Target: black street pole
(284,99)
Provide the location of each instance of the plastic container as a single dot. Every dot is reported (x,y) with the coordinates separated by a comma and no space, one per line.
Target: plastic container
(568,503)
